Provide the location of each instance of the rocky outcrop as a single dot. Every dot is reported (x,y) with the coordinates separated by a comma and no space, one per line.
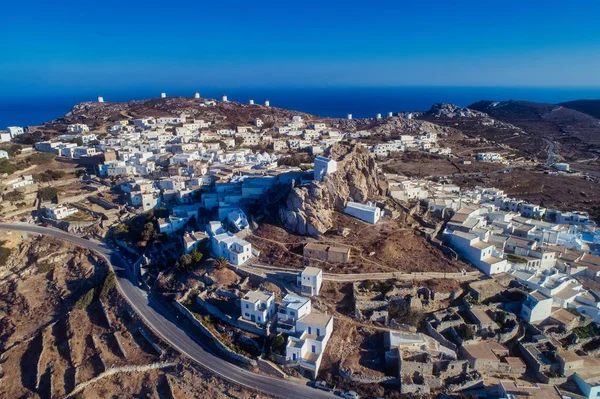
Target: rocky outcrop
(308,210)
(442,110)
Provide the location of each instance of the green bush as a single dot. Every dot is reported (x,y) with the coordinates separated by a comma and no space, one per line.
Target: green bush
(49,175)
(278,345)
(85,300)
(48,193)
(14,196)
(45,267)
(8,167)
(110,282)
(515,259)
(588,331)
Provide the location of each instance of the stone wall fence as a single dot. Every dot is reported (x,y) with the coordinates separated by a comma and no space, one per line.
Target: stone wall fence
(220,345)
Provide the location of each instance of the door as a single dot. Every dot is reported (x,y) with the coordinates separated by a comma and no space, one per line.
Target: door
(253,318)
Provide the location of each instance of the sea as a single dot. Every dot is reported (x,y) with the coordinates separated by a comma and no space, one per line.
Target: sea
(42,107)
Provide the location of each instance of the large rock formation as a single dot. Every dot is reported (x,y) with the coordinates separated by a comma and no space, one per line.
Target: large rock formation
(308,210)
(443,110)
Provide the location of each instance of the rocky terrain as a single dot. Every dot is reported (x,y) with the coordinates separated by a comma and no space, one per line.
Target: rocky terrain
(445,110)
(308,210)
(577,134)
(228,114)
(59,341)
(479,125)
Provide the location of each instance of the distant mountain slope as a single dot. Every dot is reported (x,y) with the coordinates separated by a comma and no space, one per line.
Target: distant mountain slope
(590,107)
(479,124)
(577,133)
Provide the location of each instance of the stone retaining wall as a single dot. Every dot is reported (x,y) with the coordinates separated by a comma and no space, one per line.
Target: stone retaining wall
(232,354)
(153,343)
(439,337)
(267,367)
(366,379)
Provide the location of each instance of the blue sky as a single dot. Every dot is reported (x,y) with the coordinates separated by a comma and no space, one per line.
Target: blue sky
(75,46)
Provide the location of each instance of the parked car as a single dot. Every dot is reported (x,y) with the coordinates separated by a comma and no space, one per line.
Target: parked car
(350,395)
(322,385)
(44,224)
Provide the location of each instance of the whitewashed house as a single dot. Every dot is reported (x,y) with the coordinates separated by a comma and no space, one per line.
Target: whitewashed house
(59,212)
(258,306)
(323,166)
(368,212)
(309,281)
(232,248)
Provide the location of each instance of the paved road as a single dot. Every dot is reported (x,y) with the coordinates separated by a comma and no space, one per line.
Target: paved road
(552,152)
(162,322)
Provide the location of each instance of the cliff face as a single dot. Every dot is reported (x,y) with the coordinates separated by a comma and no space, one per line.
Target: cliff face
(308,210)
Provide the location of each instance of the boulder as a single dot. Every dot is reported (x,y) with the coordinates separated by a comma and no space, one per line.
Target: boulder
(308,210)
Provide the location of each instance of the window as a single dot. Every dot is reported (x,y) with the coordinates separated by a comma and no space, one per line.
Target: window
(314,350)
(318,332)
(309,330)
(247,306)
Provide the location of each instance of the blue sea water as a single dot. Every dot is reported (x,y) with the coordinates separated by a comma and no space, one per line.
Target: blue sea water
(323,101)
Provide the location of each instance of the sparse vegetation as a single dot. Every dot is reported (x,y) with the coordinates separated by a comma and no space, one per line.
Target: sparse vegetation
(40,158)
(44,267)
(110,282)
(8,167)
(48,193)
(14,196)
(588,331)
(86,299)
(405,315)
(4,253)
(278,345)
(220,262)
(515,259)
(49,175)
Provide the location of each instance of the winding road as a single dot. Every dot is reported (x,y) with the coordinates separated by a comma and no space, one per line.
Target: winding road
(161,320)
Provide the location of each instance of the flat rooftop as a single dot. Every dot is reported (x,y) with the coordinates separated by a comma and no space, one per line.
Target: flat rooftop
(255,296)
(311,271)
(316,319)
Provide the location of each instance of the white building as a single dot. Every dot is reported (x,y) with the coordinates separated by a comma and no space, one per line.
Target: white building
(3,154)
(561,166)
(306,347)
(258,306)
(537,307)
(59,212)
(238,218)
(309,281)
(478,252)
(145,200)
(15,131)
(79,152)
(232,248)
(291,309)
(22,181)
(192,240)
(78,128)
(368,212)
(323,166)
(489,157)
(171,224)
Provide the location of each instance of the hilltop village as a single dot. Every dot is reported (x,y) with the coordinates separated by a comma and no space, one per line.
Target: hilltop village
(294,245)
